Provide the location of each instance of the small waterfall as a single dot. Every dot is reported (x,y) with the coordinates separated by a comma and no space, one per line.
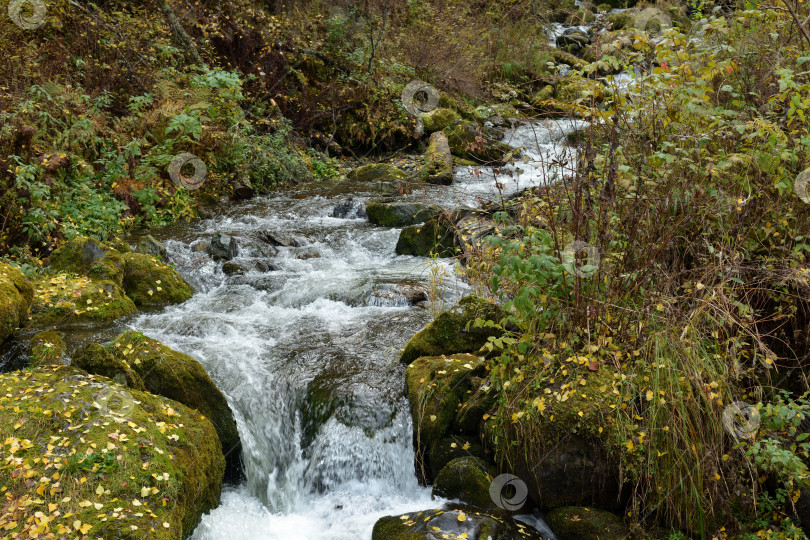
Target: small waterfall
(307,352)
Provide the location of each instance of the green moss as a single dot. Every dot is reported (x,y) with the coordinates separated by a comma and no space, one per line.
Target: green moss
(582,523)
(438,119)
(423,240)
(438,167)
(479,401)
(88,257)
(464,142)
(47,348)
(376,172)
(436,386)
(393,212)
(177,376)
(66,298)
(619,21)
(16,294)
(97,360)
(467,480)
(151,283)
(453,330)
(121,463)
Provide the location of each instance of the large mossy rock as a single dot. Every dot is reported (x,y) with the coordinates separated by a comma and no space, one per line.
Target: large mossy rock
(467,480)
(393,212)
(177,376)
(96,359)
(469,142)
(435,236)
(583,523)
(377,172)
(151,283)
(16,295)
(452,523)
(66,298)
(438,167)
(47,349)
(438,119)
(85,256)
(103,461)
(568,460)
(454,331)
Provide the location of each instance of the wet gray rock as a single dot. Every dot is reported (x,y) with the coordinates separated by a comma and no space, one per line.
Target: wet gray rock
(349,208)
(148,245)
(223,247)
(452,523)
(281,239)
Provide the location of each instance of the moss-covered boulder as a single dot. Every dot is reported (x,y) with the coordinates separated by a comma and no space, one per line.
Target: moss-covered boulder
(433,236)
(438,167)
(16,294)
(436,387)
(96,359)
(85,256)
(583,523)
(454,331)
(47,349)
(377,172)
(468,141)
(452,523)
(499,113)
(620,20)
(89,458)
(177,376)
(569,459)
(150,283)
(438,119)
(393,212)
(467,480)
(65,298)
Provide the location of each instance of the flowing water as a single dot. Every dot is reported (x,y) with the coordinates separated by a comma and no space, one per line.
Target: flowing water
(307,353)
